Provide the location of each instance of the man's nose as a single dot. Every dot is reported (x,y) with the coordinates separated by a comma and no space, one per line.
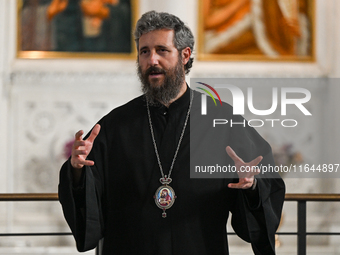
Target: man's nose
(153,59)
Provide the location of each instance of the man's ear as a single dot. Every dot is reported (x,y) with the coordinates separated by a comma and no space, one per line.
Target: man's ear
(186,53)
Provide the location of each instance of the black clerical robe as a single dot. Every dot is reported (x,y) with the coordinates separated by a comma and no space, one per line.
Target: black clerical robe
(116,199)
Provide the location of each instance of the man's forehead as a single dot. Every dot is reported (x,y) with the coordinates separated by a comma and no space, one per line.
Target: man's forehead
(160,36)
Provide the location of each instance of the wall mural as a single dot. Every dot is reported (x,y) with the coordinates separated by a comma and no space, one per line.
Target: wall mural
(76,28)
(256,30)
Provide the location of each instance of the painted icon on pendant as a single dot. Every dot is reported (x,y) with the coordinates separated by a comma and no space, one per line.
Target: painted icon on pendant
(165,197)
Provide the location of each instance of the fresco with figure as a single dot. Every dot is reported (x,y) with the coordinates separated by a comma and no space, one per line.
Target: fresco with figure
(75,26)
(268,29)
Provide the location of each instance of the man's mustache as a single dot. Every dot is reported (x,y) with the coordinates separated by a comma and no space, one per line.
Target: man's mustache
(154,69)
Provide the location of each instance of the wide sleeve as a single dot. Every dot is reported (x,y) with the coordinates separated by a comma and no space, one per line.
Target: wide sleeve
(82,206)
(258,225)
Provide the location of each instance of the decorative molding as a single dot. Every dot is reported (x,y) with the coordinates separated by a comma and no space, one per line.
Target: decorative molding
(45,78)
(44,128)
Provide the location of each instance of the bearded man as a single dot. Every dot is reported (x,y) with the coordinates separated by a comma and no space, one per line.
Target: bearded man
(142,147)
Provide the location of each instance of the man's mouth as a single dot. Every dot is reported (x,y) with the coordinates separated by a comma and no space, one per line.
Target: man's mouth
(155,73)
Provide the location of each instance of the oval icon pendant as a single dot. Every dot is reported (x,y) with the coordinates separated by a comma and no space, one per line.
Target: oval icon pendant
(165,196)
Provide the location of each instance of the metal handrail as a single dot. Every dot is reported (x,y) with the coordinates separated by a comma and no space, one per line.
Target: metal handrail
(301,199)
(28,196)
(54,197)
(312,197)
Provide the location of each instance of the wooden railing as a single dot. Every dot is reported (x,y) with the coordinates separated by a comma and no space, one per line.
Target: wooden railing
(301,200)
(29,197)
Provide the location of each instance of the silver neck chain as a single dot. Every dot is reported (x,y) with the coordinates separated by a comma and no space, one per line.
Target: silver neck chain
(179,142)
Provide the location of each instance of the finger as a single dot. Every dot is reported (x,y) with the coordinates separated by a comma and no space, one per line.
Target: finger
(233,154)
(80,163)
(94,133)
(246,180)
(78,143)
(244,183)
(89,163)
(234,186)
(79,153)
(79,135)
(239,185)
(256,161)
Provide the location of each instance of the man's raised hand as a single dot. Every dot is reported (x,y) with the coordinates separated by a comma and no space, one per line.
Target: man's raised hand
(246,177)
(81,148)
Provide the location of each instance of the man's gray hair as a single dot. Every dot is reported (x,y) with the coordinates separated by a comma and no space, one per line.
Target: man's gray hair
(183,36)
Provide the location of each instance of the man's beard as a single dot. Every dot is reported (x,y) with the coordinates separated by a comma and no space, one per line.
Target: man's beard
(166,91)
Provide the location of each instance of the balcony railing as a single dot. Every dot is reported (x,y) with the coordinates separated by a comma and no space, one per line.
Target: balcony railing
(302,233)
(301,200)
